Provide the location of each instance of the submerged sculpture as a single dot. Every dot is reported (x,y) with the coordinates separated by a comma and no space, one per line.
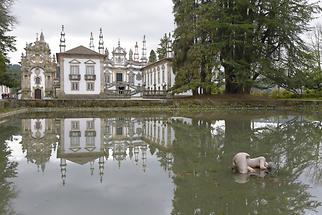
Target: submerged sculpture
(244,164)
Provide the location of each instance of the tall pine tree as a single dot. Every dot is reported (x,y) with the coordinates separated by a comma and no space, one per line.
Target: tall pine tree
(248,39)
(162,50)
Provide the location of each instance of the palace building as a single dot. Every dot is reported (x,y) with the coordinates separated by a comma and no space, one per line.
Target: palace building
(82,72)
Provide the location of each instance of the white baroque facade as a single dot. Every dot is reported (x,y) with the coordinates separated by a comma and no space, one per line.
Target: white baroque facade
(38,70)
(84,73)
(158,77)
(123,76)
(81,72)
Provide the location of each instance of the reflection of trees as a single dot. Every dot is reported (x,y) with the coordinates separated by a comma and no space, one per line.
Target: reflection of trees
(205,184)
(7,170)
(296,145)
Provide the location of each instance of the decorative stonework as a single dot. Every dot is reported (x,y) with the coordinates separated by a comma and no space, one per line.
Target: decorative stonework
(38,70)
(122,74)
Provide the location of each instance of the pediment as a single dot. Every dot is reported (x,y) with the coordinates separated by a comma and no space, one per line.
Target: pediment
(74,61)
(90,62)
(74,149)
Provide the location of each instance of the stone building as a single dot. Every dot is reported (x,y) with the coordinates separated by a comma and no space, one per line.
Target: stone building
(123,76)
(80,71)
(117,75)
(158,77)
(85,73)
(38,70)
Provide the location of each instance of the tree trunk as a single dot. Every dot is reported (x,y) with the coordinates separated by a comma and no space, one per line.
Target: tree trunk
(194,92)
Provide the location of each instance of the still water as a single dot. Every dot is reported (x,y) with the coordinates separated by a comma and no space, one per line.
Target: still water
(159,164)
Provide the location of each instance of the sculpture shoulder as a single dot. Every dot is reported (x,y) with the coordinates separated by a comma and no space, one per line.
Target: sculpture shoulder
(241,155)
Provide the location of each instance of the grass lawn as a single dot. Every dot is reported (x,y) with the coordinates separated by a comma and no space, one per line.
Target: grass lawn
(5,110)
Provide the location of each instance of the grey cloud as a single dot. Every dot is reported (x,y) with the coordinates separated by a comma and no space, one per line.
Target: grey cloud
(127,20)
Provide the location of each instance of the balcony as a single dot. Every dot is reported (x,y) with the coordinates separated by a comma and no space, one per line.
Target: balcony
(74,77)
(90,77)
(90,133)
(74,133)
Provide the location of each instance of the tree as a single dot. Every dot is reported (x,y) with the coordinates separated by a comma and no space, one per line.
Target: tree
(185,65)
(205,186)
(249,39)
(162,50)
(315,74)
(316,43)
(6,42)
(8,168)
(152,57)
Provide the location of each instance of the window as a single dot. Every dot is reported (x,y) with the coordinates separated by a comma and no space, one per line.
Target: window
(75,125)
(37,80)
(148,82)
(90,86)
(162,75)
(108,130)
(119,131)
(90,70)
(74,141)
(74,70)
(90,124)
(75,86)
(38,125)
(154,76)
(158,77)
(90,141)
(119,77)
(151,78)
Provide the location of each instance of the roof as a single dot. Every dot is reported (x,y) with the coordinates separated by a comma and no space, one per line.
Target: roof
(149,65)
(81,50)
(82,157)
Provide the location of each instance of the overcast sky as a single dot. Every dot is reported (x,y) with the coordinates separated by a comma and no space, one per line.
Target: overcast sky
(127,20)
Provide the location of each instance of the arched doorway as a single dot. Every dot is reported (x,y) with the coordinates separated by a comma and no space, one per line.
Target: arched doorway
(37,93)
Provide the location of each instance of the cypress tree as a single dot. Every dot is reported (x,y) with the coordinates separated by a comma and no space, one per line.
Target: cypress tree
(162,50)
(152,57)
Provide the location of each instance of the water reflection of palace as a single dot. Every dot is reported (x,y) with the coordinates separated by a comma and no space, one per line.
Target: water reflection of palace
(38,140)
(94,140)
(196,151)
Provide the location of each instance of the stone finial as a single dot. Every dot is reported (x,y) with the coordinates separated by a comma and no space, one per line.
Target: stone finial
(101,42)
(91,42)
(136,52)
(144,58)
(62,45)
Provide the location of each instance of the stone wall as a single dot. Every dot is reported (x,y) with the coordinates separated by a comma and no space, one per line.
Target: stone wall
(185,103)
(85,103)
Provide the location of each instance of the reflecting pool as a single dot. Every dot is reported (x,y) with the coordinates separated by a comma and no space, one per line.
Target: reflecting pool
(159,164)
